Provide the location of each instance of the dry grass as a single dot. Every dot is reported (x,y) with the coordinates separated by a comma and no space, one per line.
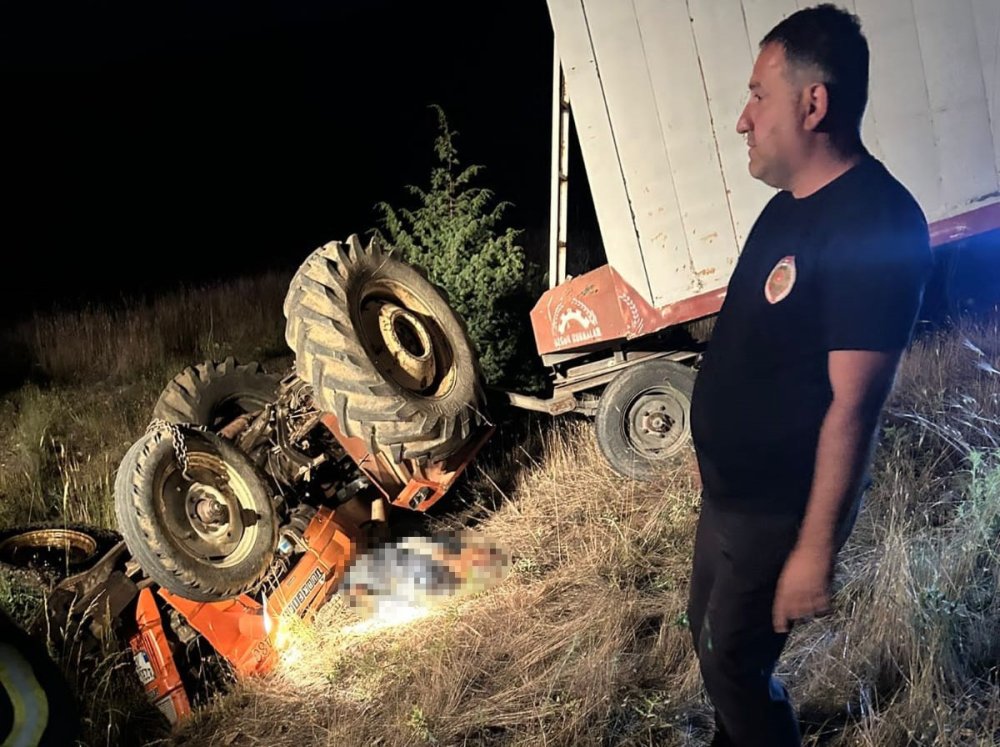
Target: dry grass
(912,655)
(585,643)
(241,317)
(585,640)
(61,448)
(93,376)
(80,388)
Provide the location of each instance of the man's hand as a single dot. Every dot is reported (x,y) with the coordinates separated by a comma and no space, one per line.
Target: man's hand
(803,587)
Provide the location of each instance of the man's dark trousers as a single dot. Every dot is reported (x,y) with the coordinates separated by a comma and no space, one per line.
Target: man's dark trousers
(738,557)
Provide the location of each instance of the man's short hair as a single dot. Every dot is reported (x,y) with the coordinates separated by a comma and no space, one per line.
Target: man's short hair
(829,39)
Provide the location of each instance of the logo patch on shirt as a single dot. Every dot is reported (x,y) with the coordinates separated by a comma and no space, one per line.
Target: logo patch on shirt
(780,281)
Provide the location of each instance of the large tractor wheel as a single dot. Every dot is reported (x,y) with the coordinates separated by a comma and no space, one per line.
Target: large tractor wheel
(643,418)
(213,394)
(383,351)
(205,533)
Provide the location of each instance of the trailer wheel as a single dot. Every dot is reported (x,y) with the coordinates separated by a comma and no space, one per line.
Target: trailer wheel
(643,418)
(383,351)
(213,394)
(206,535)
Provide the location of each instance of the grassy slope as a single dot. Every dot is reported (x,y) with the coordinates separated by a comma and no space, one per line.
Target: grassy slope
(586,642)
(94,376)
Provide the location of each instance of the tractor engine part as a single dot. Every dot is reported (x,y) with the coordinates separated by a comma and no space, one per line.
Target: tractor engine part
(245,630)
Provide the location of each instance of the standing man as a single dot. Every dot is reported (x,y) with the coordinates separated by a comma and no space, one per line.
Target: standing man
(785,409)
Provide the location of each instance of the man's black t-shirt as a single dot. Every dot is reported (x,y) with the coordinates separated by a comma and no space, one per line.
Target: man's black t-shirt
(841,269)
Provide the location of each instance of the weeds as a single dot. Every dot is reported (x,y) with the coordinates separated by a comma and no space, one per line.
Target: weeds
(586,642)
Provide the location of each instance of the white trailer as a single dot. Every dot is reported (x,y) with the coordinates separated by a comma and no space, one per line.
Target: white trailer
(655,88)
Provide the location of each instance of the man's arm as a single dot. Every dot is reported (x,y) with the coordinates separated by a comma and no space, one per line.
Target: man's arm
(860,380)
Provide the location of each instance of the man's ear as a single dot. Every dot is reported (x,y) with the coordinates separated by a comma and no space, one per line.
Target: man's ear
(816,104)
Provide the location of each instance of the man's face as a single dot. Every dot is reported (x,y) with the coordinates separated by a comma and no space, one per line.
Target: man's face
(772,120)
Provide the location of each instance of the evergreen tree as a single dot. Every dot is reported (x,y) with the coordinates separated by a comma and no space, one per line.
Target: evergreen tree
(460,241)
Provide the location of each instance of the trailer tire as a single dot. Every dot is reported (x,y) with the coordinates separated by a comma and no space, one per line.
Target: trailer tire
(643,418)
(212,394)
(159,515)
(383,351)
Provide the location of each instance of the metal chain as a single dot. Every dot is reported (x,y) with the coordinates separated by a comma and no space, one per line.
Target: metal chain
(180,447)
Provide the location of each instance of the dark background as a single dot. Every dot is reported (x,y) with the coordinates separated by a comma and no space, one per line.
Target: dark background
(148,144)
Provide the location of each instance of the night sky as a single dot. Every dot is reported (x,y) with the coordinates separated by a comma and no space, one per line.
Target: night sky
(153,143)
(149,144)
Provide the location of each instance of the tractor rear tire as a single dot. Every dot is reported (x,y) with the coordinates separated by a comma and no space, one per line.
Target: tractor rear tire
(643,420)
(213,394)
(383,351)
(159,513)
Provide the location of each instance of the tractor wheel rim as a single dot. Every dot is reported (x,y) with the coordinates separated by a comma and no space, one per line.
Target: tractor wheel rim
(399,333)
(408,341)
(68,545)
(221,538)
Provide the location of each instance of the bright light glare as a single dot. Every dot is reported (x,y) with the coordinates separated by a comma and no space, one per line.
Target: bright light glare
(387,616)
(290,639)
(287,644)
(268,623)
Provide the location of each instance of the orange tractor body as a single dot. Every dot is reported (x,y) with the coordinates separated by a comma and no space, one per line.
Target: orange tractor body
(244,630)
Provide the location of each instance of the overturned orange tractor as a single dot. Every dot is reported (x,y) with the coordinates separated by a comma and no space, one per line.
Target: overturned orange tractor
(249,496)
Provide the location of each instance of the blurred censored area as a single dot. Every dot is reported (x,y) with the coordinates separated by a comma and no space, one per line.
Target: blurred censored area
(416,573)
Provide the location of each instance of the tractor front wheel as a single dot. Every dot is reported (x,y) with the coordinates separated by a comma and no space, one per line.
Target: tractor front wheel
(207,532)
(214,394)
